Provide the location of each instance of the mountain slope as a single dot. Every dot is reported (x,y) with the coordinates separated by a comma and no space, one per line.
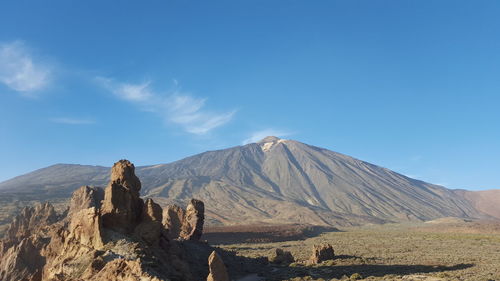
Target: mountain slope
(275,181)
(57,180)
(486,201)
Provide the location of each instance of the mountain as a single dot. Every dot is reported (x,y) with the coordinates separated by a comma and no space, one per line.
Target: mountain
(275,181)
(485,201)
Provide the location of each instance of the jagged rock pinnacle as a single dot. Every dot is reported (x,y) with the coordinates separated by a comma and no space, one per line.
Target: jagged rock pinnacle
(122,206)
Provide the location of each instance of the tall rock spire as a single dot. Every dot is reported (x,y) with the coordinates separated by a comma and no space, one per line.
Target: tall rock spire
(122,206)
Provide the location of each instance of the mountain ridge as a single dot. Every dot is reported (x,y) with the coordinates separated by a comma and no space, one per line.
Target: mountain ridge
(275,181)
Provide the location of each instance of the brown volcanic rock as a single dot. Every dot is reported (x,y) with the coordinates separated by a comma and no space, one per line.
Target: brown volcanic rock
(20,257)
(65,256)
(192,226)
(281,257)
(173,218)
(123,173)
(321,253)
(122,239)
(218,271)
(151,229)
(85,227)
(86,197)
(123,270)
(122,206)
(152,211)
(23,261)
(31,220)
(20,254)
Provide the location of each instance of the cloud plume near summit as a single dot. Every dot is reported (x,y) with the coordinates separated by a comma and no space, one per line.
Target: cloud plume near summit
(184,110)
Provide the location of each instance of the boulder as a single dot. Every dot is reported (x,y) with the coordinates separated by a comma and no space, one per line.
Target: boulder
(321,253)
(192,227)
(218,271)
(86,197)
(173,218)
(122,206)
(281,257)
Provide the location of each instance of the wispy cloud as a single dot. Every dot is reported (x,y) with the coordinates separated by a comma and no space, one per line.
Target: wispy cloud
(20,71)
(416,158)
(178,108)
(259,135)
(72,121)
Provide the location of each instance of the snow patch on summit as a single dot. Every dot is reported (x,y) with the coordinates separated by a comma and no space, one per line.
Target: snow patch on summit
(268,145)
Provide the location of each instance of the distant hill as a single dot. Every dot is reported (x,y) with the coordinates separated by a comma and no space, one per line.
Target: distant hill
(273,181)
(485,201)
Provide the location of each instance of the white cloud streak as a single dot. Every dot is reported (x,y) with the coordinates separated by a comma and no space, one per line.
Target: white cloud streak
(72,121)
(20,71)
(184,110)
(259,135)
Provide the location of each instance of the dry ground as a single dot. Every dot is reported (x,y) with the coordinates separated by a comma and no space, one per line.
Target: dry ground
(262,233)
(389,252)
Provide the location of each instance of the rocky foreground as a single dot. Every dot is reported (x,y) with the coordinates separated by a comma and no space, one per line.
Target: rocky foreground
(113,234)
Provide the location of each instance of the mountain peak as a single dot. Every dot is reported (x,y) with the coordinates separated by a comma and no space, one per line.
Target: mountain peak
(269,139)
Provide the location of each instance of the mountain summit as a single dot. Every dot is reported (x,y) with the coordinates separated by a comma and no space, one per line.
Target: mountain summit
(275,181)
(269,139)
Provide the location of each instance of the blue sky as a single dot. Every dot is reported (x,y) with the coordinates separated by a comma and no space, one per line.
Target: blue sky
(413,86)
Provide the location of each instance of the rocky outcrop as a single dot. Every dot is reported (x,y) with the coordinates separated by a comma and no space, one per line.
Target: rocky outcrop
(122,270)
(108,235)
(122,206)
(151,229)
(281,257)
(218,271)
(31,220)
(85,228)
(192,226)
(86,197)
(321,253)
(21,247)
(23,261)
(173,218)
(185,224)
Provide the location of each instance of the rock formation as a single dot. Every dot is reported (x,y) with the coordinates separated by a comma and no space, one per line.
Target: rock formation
(109,235)
(192,227)
(23,261)
(218,271)
(173,218)
(151,228)
(321,253)
(85,227)
(86,197)
(122,206)
(120,270)
(281,257)
(20,254)
(31,220)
